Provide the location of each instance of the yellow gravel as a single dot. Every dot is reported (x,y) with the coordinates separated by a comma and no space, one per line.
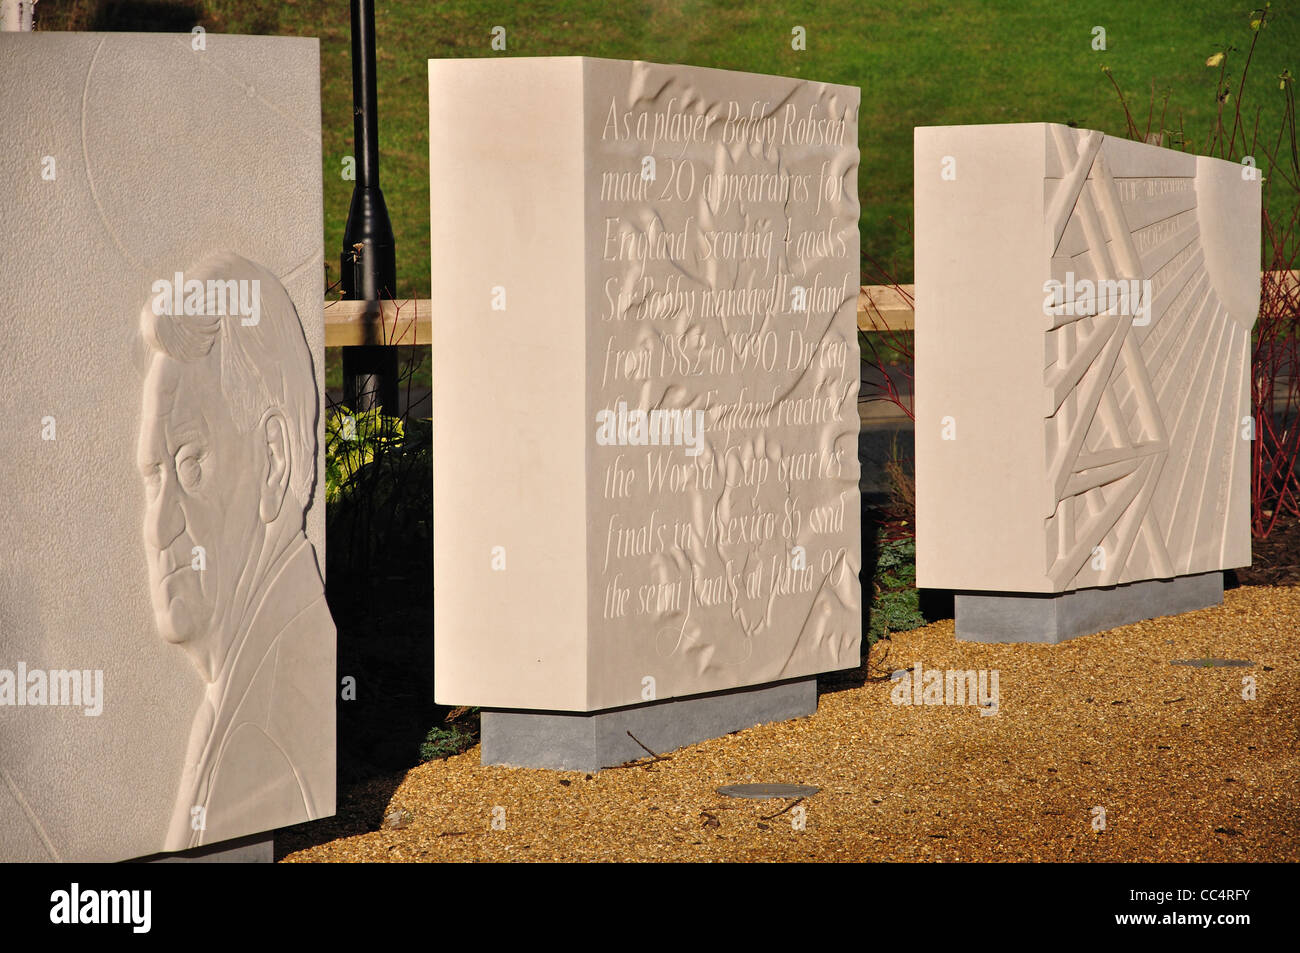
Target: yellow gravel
(1184,766)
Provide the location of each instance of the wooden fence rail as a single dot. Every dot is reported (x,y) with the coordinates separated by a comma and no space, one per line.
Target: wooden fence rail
(407,321)
(880,308)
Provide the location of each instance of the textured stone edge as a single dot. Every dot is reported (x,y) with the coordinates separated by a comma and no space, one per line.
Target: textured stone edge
(592,741)
(1055,617)
(253,849)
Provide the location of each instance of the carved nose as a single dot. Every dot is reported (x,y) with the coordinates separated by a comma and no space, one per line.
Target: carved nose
(164,520)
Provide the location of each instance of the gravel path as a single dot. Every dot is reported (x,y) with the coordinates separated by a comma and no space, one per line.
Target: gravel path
(1184,766)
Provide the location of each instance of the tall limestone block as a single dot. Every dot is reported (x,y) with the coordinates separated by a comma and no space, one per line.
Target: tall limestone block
(645,375)
(166,655)
(1083,316)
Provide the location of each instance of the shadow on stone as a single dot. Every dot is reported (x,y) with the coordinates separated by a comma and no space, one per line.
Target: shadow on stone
(937,604)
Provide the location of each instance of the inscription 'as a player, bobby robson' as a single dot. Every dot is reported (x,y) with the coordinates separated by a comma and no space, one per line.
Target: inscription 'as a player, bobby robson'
(757,123)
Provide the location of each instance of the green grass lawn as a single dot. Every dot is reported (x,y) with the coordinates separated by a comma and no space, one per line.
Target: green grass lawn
(926,63)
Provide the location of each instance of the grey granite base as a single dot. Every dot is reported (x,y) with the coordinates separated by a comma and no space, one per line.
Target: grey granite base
(253,849)
(1055,617)
(590,741)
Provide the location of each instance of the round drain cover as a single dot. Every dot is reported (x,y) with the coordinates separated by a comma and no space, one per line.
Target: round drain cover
(765,792)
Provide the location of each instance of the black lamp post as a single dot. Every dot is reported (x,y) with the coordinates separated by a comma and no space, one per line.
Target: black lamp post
(368,260)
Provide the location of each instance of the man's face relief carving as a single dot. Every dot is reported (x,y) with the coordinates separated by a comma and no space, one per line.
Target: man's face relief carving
(201,489)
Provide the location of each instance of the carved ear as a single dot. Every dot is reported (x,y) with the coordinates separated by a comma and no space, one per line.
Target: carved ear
(279,462)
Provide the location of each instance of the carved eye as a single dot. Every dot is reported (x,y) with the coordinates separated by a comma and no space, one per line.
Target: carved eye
(188,469)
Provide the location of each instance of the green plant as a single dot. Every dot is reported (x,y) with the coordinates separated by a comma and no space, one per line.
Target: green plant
(351,442)
(446,740)
(895,604)
(379,527)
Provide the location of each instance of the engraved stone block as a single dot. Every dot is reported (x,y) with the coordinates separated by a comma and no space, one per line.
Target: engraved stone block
(645,377)
(1083,315)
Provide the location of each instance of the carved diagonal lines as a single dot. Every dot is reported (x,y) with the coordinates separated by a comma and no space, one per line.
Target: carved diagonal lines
(1111,484)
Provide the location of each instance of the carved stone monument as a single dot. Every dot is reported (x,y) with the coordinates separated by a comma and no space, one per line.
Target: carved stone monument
(645,377)
(166,654)
(1083,316)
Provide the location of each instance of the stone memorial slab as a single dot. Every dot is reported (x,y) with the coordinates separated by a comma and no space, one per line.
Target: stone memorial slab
(1083,316)
(645,378)
(166,654)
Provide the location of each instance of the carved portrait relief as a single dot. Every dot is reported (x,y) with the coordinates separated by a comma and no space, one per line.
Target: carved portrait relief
(227,457)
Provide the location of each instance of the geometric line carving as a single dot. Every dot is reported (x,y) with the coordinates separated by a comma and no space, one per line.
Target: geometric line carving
(1115,484)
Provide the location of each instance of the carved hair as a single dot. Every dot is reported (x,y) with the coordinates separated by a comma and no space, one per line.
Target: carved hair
(262,366)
